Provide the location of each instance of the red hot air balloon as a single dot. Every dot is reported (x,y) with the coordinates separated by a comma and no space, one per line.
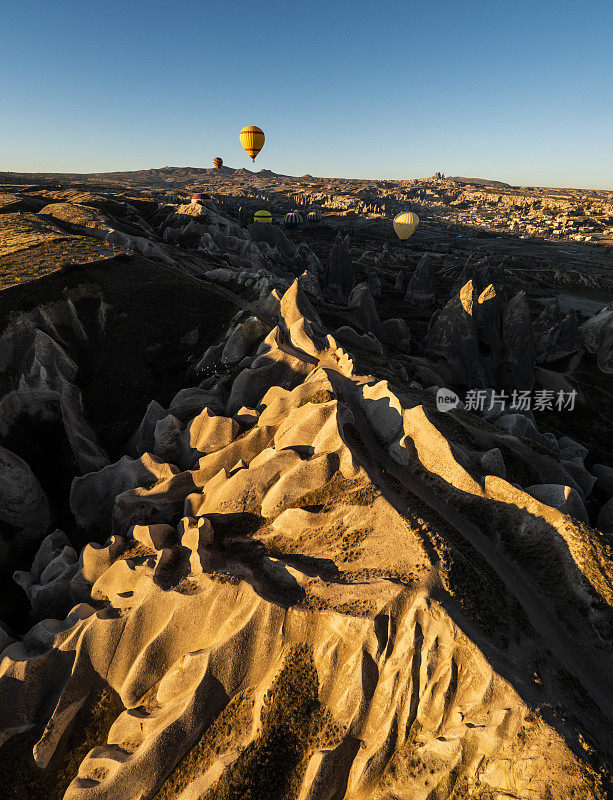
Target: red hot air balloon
(201,198)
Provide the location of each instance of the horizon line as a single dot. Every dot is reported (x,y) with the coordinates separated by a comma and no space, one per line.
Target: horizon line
(306,175)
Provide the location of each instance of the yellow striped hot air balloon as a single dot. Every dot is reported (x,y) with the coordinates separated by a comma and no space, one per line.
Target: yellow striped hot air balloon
(292,221)
(252,139)
(218,162)
(313,218)
(262,216)
(405,224)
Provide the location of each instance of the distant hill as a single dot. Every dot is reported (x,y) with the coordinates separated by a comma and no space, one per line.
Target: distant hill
(194,173)
(166,173)
(479,181)
(163,172)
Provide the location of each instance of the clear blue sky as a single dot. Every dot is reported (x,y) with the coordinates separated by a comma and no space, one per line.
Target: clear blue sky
(518,91)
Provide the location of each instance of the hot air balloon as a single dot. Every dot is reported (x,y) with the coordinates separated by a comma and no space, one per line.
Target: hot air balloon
(292,221)
(252,139)
(313,218)
(218,162)
(204,200)
(262,216)
(405,224)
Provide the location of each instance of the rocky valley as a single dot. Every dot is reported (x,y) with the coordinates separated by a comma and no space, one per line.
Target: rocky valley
(311,514)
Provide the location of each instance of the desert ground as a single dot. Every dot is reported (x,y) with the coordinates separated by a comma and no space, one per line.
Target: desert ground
(245,551)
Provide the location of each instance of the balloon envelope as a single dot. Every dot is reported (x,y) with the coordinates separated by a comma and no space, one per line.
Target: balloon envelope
(313,218)
(292,221)
(405,224)
(252,139)
(262,216)
(202,198)
(218,162)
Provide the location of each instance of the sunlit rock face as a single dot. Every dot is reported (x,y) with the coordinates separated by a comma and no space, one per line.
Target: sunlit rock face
(298,578)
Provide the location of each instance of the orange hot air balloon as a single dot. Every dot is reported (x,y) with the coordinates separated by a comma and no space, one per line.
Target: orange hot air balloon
(252,139)
(218,163)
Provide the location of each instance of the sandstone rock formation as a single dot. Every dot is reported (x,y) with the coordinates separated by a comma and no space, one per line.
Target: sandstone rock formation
(293,575)
(340,276)
(597,337)
(420,290)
